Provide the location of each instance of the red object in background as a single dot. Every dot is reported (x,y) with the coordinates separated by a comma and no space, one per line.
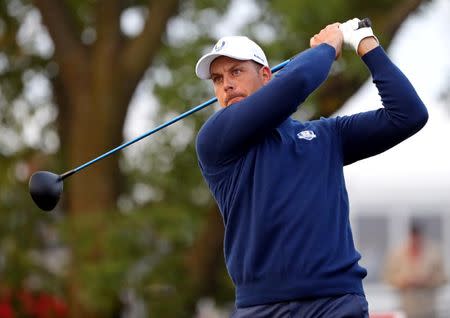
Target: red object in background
(60,308)
(43,305)
(6,310)
(26,301)
(47,306)
(32,305)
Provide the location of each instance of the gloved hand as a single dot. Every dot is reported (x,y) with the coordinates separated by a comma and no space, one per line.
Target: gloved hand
(353,35)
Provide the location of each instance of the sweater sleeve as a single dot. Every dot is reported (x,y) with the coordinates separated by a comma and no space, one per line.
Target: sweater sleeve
(369,133)
(232,130)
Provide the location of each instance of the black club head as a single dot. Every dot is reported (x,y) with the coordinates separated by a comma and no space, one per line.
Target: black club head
(45,189)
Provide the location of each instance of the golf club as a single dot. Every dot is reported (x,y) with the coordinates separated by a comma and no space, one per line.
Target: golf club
(46,187)
(364,23)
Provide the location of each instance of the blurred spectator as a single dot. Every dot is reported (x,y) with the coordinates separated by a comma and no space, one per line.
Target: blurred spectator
(416,269)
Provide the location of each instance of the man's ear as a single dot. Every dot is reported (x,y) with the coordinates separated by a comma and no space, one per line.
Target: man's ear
(266,74)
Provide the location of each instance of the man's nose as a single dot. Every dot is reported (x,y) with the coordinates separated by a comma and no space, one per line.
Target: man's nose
(228,83)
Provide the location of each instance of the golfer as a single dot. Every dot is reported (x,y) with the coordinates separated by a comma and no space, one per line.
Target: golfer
(279,183)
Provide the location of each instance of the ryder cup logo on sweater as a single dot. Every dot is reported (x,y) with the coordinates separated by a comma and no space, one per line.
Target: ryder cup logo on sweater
(306,134)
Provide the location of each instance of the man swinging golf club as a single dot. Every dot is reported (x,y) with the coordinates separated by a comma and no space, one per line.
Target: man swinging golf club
(279,183)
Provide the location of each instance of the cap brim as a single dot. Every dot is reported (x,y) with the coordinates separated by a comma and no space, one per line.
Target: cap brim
(202,69)
(203,65)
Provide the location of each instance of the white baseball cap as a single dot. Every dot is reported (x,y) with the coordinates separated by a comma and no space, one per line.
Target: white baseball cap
(236,47)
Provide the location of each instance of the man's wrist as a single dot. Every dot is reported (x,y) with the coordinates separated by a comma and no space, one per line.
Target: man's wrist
(366,45)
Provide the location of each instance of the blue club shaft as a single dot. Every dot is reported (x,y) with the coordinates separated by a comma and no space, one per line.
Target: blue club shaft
(154,130)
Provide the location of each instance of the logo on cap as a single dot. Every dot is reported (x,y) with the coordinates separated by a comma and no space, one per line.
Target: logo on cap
(219,46)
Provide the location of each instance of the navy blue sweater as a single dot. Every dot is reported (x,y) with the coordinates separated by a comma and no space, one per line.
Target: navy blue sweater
(279,183)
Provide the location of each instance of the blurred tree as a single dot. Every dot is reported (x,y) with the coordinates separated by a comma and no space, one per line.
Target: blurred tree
(92,66)
(99,69)
(94,69)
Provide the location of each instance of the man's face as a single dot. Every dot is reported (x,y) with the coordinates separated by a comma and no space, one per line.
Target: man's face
(234,80)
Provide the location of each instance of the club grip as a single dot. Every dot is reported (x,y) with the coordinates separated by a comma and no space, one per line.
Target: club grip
(364,23)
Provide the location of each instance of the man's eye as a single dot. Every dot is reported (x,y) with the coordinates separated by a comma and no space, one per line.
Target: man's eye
(236,71)
(216,79)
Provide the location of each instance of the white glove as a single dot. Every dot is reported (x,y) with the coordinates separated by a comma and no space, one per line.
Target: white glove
(354,35)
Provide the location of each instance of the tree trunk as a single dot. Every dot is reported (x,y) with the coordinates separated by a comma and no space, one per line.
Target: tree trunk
(97,82)
(96,188)
(205,256)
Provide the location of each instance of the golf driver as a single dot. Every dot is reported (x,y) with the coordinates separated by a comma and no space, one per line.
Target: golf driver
(46,187)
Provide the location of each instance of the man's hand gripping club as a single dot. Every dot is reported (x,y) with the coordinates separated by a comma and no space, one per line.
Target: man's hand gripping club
(354,33)
(330,35)
(358,35)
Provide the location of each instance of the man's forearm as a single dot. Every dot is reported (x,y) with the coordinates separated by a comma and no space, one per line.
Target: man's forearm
(370,133)
(367,45)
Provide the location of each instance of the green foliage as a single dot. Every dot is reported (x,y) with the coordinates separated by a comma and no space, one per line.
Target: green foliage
(21,228)
(141,250)
(112,252)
